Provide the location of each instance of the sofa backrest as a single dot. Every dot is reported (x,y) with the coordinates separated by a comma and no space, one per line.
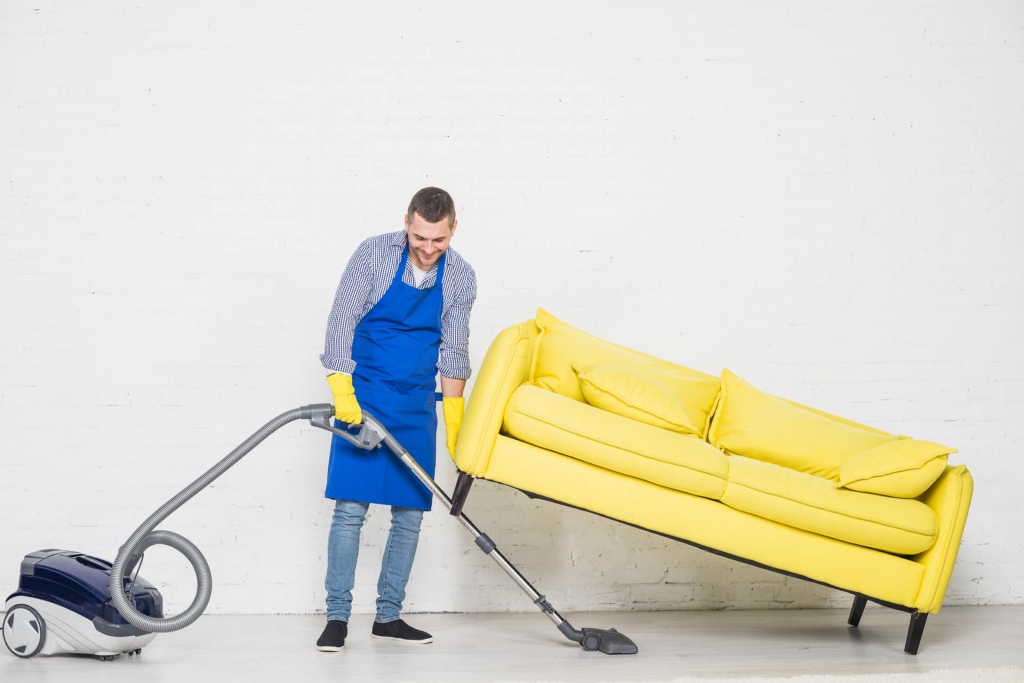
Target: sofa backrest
(728,412)
(562,352)
(757,425)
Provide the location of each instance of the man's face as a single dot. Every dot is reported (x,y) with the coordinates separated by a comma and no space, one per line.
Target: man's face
(427,241)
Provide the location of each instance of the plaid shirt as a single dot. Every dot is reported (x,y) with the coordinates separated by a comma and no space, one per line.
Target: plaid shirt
(367,277)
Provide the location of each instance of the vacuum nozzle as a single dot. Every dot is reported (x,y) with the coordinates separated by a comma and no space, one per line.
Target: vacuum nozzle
(610,641)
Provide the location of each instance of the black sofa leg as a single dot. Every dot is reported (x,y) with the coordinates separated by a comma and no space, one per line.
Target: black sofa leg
(914,633)
(859,602)
(461,492)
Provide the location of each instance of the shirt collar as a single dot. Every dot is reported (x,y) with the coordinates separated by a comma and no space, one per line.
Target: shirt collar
(398,239)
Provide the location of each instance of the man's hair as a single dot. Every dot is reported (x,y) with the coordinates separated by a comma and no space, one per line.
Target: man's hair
(433,204)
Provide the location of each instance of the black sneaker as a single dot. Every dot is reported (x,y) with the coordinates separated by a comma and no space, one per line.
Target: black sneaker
(401,632)
(333,637)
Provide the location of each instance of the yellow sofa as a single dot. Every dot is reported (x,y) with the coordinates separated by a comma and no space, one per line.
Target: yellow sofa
(714,462)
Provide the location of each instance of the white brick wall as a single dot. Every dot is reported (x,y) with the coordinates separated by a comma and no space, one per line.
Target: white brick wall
(826,200)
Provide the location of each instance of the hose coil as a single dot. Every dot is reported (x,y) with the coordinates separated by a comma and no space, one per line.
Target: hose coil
(148,535)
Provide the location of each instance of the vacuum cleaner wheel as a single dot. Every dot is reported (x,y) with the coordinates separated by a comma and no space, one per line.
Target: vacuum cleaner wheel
(24,631)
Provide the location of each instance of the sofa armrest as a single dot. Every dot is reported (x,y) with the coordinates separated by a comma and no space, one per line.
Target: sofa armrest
(505,367)
(950,498)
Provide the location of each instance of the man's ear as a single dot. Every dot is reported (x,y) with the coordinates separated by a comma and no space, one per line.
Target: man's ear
(455,224)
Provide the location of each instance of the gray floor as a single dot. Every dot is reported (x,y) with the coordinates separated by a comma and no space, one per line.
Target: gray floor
(527,647)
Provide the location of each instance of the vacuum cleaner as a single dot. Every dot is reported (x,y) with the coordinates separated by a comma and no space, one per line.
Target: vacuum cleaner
(69,602)
(63,606)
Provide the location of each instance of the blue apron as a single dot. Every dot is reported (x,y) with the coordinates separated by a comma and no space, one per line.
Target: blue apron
(395,348)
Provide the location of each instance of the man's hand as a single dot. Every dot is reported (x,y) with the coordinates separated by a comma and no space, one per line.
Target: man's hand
(346,407)
(453,408)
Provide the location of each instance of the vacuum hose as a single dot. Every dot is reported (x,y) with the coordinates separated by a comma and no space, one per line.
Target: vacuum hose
(371,435)
(145,536)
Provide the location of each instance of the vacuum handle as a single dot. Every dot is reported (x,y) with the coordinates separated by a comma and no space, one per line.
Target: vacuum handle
(370,435)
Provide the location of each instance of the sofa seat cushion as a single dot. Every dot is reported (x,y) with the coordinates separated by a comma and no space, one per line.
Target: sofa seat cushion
(616,443)
(897,525)
(757,425)
(559,346)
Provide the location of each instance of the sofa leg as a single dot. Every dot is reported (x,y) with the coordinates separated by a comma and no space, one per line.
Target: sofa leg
(461,492)
(914,633)
(859,602)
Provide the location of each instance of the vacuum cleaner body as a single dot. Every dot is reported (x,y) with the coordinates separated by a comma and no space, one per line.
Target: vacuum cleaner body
(63,605)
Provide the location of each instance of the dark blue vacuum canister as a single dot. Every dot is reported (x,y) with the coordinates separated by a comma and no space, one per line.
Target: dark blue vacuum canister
(63,605)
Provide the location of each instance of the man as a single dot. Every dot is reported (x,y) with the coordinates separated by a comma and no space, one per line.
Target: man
(400,316)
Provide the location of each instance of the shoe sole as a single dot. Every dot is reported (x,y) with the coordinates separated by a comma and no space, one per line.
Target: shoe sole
(402,641)
(329,648)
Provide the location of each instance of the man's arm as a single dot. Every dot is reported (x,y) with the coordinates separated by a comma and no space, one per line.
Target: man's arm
(346,312)
(453,355)
(452,388)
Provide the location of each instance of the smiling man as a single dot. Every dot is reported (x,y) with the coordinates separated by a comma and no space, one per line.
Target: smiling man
(400,318)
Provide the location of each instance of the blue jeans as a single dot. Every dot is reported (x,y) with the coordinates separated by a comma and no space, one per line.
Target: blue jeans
(343,550)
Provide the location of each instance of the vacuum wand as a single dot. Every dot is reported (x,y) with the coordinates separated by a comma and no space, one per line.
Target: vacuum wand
(372,434)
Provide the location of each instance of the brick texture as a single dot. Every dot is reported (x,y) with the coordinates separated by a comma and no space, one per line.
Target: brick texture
(827,202)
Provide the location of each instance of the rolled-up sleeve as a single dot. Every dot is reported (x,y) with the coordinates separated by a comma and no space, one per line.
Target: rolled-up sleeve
(346,312)
(453,357)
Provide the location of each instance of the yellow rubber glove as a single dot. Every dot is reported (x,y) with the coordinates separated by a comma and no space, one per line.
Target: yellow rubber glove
(453,407)
(346,407)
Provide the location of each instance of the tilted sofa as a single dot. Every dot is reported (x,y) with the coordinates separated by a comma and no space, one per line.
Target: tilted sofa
(714,462)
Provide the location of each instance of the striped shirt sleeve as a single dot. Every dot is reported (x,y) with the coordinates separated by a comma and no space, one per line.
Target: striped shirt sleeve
(453,359)
(350,300)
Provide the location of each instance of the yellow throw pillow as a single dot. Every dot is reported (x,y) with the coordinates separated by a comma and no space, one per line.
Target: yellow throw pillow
(901,469)
(559,346)
(757,425)
(628,392)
